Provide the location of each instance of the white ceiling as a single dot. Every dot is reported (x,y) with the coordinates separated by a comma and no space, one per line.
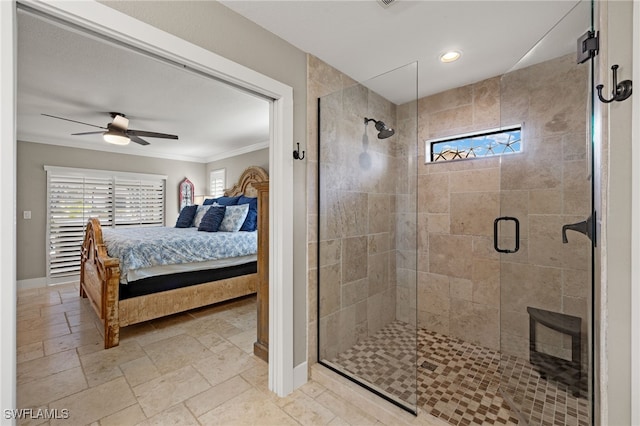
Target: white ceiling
(63,73)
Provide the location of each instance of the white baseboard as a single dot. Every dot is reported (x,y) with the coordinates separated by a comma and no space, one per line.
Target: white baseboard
(31,283)
(300,375)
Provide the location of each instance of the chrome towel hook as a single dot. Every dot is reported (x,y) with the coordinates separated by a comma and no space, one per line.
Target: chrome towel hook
(620,91)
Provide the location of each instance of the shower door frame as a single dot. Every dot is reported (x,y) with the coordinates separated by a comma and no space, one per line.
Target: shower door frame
(592,313)
(352,378)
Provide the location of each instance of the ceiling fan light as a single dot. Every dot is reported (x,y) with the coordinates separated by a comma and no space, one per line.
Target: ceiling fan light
(116,138)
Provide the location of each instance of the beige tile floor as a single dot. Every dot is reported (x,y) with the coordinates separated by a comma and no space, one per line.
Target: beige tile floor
(192,368)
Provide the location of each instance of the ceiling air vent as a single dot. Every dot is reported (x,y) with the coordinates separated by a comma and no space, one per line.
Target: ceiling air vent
(386,3)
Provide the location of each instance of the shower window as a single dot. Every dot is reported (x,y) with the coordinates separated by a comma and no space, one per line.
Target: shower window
(485,144)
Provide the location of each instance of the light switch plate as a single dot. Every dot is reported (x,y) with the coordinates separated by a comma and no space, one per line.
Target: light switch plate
(26,214)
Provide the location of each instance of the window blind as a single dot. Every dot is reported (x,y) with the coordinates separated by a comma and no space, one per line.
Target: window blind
(217,182)
(74,196)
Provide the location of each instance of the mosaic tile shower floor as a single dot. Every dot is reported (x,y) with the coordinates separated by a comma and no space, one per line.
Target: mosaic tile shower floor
(459,381)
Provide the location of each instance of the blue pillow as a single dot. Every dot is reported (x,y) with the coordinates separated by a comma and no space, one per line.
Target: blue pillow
(186,216)
(209,201)
(212,219)
(227,201)
(251,222)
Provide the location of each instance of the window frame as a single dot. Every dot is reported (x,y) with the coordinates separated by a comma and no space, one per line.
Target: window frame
(429,144)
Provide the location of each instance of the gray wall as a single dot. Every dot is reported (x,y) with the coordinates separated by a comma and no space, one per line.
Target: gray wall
(32,191)
(215,27)
(236,165)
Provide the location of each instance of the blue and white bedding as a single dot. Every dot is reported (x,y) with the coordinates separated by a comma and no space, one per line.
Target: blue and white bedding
(149,247)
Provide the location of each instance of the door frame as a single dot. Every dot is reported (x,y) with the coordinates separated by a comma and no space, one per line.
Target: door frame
(635,221)
(106,21)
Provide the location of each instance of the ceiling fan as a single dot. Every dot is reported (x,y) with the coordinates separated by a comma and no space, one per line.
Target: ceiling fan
(117,132)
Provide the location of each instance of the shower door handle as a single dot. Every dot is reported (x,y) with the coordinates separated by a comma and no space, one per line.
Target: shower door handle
(496,225)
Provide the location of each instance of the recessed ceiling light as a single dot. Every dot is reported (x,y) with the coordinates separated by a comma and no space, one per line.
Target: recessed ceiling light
(450,56)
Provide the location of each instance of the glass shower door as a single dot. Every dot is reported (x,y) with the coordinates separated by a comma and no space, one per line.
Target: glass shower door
(543,232)
(367,244)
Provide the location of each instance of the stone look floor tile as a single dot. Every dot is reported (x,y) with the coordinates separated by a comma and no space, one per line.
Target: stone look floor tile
(177,415)
(210,372)
(169,389)
(176,352)
(244,340)
(217,395)
(130,416)
(95,403)
(103,366)
(225,364)
(312,388)
(71,341)
(307,411)
(51,388)
(249,408)
(139,371)
(345,410)
(46,366)
(41,322)
(29,352)
(40,334)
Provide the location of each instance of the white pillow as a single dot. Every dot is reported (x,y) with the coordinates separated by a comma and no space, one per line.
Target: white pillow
(200,214)
(234,217)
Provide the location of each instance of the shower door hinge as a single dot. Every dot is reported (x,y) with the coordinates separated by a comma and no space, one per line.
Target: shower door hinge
(588,45)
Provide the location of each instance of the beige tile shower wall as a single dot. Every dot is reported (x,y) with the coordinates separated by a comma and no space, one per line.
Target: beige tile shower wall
(357,248)
(546,186)
(408,239)
(365,218)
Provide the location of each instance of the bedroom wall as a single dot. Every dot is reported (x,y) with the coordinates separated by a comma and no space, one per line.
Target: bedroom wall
(215,27)
(32,191)
(236,165)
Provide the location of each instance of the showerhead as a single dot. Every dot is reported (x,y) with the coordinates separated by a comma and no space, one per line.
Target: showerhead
(383,131)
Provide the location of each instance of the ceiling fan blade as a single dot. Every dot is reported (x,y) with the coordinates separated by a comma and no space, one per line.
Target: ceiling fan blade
(151,134)
(137,140)
(86,133)
(74,121)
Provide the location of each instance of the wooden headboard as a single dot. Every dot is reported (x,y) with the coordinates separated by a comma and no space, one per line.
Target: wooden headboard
(251,175)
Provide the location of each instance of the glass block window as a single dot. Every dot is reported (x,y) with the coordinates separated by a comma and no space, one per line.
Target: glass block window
(484,144)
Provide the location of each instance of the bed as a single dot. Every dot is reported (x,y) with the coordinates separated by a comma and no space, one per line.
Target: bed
(109,290)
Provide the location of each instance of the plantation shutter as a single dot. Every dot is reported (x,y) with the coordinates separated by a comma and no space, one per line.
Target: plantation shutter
(217,183)
(72,201)
(75,195)
(139,202)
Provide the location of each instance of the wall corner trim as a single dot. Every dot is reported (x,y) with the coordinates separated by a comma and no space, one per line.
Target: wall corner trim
(300,374)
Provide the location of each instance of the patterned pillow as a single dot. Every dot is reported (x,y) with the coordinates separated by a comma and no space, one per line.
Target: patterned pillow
(200,214)
(212,219)
(234,217)
(186,216)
